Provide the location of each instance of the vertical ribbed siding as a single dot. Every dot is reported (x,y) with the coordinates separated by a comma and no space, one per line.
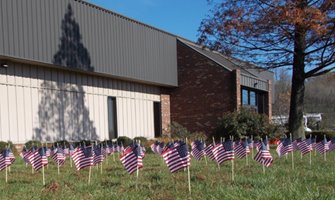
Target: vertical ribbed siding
(116,45)
(254,83)
(38,100)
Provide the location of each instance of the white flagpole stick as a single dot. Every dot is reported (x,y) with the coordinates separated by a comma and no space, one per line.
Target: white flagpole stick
(70,161)
(292,153)
(324,150)
(6,175)
(252,148)
(310,153)
(89,175)
(58,166)
(232,162)
(203,150)
(6,170)
(43,169)
(45,152)
(246,159)
(137,170)
(213,148)
(314,146)
(263,166)
(106,153)
(188,175)
(43,174)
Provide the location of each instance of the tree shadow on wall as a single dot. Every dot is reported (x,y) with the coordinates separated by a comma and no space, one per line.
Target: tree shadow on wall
(62,112)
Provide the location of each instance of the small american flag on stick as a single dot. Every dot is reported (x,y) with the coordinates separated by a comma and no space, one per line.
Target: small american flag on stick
(242,149)
(305,146)
(263,155)
(132,158)
(83,157)
(322,146)
(284,147)
(197,149)
(177,157)
(38,158)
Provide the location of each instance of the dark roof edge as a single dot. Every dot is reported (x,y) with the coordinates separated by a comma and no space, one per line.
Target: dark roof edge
(5,58)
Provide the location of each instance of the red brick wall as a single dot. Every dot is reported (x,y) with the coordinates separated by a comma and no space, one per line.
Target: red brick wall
(206,90)
(165,110)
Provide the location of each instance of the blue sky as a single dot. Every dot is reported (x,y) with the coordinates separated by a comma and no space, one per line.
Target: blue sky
(180,17)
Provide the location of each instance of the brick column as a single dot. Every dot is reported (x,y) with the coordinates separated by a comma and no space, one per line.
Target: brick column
(237,93)
(166,114)
(269,103)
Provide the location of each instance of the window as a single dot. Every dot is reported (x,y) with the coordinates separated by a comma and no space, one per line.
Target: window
(157,119)
(245,97)
(112,118)
(252,98)
(249,98)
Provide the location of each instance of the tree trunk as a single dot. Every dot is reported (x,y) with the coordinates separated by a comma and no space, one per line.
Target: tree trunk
(296,126)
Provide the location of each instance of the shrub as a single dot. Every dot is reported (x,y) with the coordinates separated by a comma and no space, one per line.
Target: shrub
(9,144)
(320,134)
(124,140)
(142,139)
(31,143)
(244,123)
(178,131)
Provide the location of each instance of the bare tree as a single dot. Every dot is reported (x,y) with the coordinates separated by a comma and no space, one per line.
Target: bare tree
(276,33)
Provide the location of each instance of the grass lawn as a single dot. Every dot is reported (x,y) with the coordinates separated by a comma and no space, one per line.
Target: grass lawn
(156,182)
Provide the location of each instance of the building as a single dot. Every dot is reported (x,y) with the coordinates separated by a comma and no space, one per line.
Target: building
(74,71)
(210,84)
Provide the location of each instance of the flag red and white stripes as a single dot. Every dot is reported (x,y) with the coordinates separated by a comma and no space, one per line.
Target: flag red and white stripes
(177,157)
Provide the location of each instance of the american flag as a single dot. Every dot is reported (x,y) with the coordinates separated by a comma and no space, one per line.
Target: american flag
(263,156)
(322,146)
(98,154)
(109,148)
(257,144)
(157,147)
(305,146)
(295,144)
(120,148)
(8,158)
(83,157)
(38,158)
(313,141)
(2,162)
(197,149)
(131,158)
(58,156)
(24,154)
(242,149)
(229,153)
(177,157)
(332,144)
(143,150)
(209,152)
(218,152)
(284,147)
(250,143)
(47,152)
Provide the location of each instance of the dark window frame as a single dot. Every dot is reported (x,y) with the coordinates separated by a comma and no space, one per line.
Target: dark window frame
(112,117)
(259,104)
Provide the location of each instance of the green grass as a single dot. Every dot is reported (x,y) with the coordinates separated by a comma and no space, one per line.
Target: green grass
(156,182)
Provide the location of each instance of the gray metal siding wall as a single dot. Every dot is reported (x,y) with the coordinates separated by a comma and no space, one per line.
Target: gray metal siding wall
(31,29)
(251,83)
